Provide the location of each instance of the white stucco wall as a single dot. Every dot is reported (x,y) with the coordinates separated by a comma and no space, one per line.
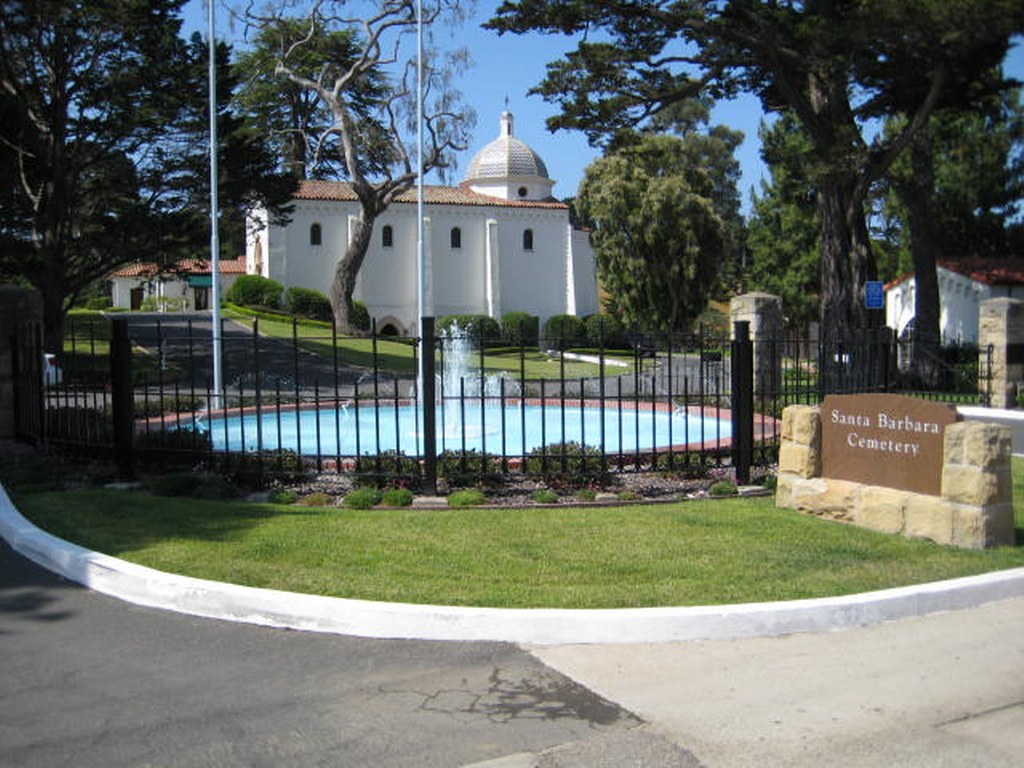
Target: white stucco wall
(462,280)
(959,300)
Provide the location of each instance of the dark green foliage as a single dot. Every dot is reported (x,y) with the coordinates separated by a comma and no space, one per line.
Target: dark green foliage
(360,317)
(564,332)
(460,467)
(215,487)
(181,439)
(604,331)
(470,497)
(520,328)
(255,291)
(723,488)
(569,464)
(167,404)
(544,496)
(389,468)
(282,496)
(175,484)
(307,303)
(482,329)
(362,498)
(257,469)
(396,497)
(81,424)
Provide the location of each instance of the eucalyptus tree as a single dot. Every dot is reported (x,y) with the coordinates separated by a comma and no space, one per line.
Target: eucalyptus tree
(367,91)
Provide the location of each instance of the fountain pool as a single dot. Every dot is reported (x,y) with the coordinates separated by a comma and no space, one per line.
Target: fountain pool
(514,429)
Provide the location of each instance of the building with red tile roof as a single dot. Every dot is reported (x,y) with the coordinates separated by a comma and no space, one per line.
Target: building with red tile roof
(496,243)
(182,286)
(963,285)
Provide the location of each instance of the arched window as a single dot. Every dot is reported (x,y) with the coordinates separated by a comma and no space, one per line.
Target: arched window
(528,240)
(456,237)
(315,234)
(387,236)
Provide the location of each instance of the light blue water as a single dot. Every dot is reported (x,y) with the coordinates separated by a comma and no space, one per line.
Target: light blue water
(514,430)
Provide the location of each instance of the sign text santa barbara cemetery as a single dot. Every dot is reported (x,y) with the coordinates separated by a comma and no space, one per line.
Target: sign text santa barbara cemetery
(887,440)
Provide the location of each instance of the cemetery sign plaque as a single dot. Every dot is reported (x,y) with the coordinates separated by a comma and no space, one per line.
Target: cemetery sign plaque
(888,440)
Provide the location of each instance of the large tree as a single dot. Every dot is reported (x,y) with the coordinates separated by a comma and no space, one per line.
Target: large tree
(104,146)
(783,233)
(836,64)
(86,88)
(657,237)
(372,138)
(291,115)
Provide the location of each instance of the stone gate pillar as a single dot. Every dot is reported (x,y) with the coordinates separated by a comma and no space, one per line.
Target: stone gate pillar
(1001,326)
(764,313)
(19,308)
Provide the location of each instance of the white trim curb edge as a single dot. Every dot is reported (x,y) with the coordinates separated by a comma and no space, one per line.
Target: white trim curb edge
(148,587)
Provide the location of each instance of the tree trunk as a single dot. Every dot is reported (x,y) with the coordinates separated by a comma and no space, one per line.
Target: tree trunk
(847,264)
(344,283)
(925,250)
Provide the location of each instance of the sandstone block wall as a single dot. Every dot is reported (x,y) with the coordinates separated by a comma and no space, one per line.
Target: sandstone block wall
(974,510)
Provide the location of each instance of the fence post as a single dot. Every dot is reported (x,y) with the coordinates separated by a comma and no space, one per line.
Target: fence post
(121,397)
(742,401)
(428,397)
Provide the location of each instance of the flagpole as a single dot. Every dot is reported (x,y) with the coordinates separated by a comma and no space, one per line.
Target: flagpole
(214,212)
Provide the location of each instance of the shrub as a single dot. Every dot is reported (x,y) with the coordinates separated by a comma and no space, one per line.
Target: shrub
(360,317)
(255,291)
(606,332)
(461,467)
(362,498)
(389,468)
(544,496)
(723,488)
(482,329)
(304,302)
(520,328)
(585,494)
(468,498)
(564,331)
(282,496)
(396,497)
(571,463)
(628,496)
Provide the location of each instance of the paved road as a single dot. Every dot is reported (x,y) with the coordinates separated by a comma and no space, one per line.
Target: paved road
(185,339)
(87,680)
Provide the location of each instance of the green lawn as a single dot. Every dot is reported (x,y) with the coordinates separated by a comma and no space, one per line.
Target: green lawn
(688,553)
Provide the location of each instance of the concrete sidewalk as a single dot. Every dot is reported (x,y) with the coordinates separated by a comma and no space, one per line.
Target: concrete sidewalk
(940,690)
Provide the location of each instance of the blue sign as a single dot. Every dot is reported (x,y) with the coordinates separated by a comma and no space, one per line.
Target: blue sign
(874,294)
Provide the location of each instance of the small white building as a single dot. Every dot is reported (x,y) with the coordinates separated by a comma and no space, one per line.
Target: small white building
(184,286)
(963,285)
(497,243)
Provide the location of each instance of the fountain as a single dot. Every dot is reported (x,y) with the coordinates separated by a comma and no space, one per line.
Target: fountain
(476,412)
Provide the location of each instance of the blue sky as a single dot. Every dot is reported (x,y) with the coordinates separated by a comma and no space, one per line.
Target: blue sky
(509,66)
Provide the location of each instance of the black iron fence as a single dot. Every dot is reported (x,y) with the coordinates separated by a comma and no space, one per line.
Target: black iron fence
(295,398)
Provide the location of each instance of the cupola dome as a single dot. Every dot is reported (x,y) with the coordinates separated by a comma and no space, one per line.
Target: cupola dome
(508,168)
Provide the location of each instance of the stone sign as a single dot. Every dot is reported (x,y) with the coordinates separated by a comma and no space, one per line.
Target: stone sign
(888,440)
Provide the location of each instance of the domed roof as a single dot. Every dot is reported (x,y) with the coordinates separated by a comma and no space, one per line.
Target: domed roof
(506,157)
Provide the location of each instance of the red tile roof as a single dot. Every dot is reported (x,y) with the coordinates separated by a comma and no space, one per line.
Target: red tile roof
(184,267)
(435,194)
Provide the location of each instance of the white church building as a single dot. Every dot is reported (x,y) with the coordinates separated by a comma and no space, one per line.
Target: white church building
(497,243)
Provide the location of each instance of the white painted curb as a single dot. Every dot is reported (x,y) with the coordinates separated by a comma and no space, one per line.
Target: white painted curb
(146,586)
